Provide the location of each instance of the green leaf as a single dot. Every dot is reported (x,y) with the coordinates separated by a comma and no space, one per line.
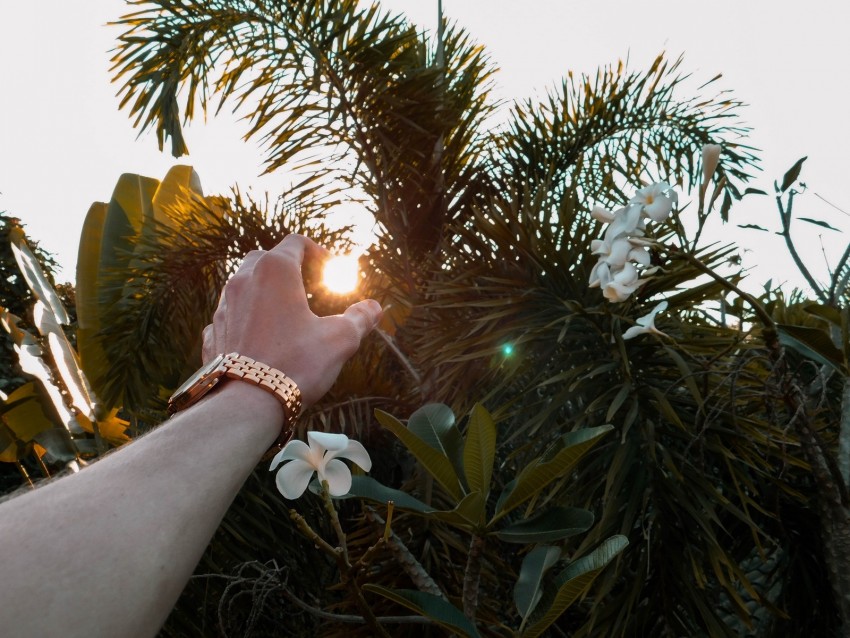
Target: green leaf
(27,419)
(434,461)
(92,359)
(538,475)
(827,313)
(34,275)
(469,513)
(817,222)
(813,343)
(437,609)
(528,588)
(479,452)
(792,174)
(58,444)
(575,580)
(753,227)
(434,423)
(370,489)
(552,525)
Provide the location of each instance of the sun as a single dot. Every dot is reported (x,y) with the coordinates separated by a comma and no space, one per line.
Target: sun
(341,274)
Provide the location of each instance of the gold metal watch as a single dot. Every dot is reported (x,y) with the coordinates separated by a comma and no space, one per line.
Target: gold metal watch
(236,366)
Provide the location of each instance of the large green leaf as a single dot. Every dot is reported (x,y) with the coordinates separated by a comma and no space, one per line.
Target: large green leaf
(433,460)
(469,513)
(528,588)
(92,357)
(434,423)
(538,475)
(26,418)
(551,525)
(31,363)
(437,609)
(66,362)
(118,239)
(479,452)
(368,488)
(575,580)
(34,276)
(180,185)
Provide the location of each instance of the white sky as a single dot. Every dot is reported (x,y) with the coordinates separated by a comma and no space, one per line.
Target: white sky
(63,142)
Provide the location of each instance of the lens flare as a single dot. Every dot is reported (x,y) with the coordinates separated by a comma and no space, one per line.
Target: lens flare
(341,274)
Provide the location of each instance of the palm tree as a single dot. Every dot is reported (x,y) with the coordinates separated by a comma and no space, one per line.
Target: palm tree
(483,235)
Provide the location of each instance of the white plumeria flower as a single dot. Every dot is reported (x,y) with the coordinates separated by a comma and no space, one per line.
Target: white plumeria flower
(622,284)
(710,159)
(618,251)
(321,456)
(600,275)
(657,200)
(646,324)
(603,215)
(627,221)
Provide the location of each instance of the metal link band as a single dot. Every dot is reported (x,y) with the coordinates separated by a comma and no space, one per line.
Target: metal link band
(274,381)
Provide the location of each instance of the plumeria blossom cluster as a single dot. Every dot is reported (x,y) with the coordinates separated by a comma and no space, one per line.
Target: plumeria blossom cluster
(321,456)
(623,246)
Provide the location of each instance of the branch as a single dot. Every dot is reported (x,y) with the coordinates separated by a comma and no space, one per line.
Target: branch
(785,216)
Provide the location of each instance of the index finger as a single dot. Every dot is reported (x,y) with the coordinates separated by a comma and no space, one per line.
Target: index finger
(298,248)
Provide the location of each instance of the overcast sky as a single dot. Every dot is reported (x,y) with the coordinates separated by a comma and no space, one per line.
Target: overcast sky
(63,142)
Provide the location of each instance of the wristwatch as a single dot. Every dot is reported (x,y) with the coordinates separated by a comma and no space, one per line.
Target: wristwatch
(237,366)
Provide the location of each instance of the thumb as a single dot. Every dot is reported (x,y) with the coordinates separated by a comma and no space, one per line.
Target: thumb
(364,316)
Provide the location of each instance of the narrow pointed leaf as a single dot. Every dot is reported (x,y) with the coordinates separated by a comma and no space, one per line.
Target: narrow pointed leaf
(434,461)
(368,488)
(437,609)
(479,452)
(575,580)
(817,222)
(792,174)
(527,591)
(538,475)
(552,525)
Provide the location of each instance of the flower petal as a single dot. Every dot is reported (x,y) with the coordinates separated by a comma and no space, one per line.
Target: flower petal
(293,478)
(338,476)
(620,249)
(327,440)
(295,449)
(659,209)
(602,214)
(600,275)
(356,453)
(634,331)
(640,256)
(710,158)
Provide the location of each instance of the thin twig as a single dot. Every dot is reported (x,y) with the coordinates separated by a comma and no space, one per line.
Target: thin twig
(400,356)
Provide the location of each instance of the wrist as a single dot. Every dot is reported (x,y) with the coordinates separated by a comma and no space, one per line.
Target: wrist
(253,412)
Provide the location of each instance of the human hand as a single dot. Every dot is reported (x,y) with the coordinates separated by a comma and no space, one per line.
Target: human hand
(263,314)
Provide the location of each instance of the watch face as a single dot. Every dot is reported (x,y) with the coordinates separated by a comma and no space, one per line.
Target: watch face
(200,374)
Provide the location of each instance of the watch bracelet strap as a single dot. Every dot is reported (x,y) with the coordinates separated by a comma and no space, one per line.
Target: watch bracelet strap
(272,380)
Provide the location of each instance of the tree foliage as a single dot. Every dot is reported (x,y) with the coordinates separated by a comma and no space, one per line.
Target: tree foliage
(481,259)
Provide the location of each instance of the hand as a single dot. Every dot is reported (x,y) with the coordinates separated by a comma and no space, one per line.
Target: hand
(263,314)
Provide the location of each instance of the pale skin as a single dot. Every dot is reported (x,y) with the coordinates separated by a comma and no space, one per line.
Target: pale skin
(107,551)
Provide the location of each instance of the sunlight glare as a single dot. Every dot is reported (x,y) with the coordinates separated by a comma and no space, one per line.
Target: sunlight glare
(341,274)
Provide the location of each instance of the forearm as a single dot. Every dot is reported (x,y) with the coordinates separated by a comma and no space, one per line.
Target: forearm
(109,549)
